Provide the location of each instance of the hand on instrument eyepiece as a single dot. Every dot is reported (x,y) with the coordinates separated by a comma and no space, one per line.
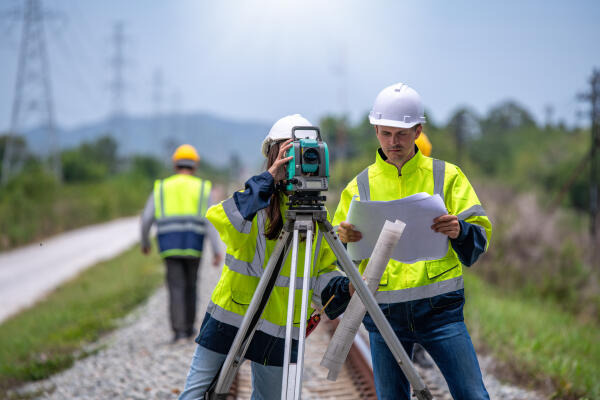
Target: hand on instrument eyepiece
(277,170)
(347,233)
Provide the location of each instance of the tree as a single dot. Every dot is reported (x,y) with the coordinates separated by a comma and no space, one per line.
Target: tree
(464,126)
(507,116)
(502,132)
(21,158)
(147,166)
(103,151)
(90,161)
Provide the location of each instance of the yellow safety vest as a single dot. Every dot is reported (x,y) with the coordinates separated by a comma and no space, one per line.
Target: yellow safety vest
(180,204)
(380,181)
(247,255)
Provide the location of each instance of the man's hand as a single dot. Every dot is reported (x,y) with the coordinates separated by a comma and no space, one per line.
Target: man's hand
(277,170)
(347,233)
(217,258)
(146,250)
(448,225)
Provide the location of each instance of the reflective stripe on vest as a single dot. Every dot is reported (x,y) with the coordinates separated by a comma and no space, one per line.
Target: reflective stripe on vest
(475,211)
(420,292)
(439,171)
(235,217)
(231,318)
(362,181)
(178,224)
(250,269)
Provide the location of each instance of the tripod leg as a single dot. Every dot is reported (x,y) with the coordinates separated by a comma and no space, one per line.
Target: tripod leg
(247,328)
(420,390)
(315,259)
(303,314)
(289,326)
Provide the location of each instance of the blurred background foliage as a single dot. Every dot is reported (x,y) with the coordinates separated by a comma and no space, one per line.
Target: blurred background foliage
(96,185)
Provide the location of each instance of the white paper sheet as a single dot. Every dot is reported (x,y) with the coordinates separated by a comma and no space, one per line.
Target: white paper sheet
(419,242)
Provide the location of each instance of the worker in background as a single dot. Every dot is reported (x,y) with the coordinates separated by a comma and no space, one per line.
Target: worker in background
(178,205)
(423,144)
(249,222)
(422,301)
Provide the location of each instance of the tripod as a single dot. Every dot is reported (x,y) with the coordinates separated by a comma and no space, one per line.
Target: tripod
(303,214)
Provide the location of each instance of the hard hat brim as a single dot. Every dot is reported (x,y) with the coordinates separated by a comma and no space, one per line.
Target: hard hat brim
(186,163)
(394,123)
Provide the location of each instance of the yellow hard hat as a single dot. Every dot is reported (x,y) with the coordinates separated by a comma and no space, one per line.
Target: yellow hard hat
(424,144)
(186,156)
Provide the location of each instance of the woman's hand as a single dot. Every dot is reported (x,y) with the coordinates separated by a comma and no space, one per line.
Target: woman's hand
(277,170)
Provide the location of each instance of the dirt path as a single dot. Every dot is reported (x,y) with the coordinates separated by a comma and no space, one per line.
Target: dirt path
(29,273)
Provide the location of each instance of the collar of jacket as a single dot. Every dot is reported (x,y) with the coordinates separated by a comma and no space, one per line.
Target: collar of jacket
(390,169)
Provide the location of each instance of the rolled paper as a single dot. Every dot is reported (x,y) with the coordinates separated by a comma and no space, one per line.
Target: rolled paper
(342,339)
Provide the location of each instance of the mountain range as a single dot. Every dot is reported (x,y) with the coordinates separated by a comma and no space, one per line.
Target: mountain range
(217,139)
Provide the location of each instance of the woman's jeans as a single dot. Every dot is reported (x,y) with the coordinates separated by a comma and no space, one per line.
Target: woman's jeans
(266,380)
(450,347)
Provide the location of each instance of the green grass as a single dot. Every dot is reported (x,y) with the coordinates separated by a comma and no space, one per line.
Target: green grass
(49,336)
(535,338)
(35,206)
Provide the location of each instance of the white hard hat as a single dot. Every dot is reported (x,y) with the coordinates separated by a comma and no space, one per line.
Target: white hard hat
(282,130)
(399,106)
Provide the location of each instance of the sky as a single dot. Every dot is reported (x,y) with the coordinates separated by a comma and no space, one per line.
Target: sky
(263,59)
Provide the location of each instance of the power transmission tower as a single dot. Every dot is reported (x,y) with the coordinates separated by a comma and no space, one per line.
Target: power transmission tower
(175,118)
(593,96)
(459,126)
(549,115)
(340,70)
(33,91)
(157,100)
(168,141)
(117,84)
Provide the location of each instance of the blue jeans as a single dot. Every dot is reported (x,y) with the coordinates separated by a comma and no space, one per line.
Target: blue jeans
(450,347)
(266,380)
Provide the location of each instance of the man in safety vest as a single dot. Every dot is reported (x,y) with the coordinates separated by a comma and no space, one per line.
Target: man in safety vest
(422,301)
(178,205)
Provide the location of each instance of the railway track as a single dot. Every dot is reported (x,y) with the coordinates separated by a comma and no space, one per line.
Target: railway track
(355,381)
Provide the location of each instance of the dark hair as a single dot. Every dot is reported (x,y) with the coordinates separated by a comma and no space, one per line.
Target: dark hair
(273,211)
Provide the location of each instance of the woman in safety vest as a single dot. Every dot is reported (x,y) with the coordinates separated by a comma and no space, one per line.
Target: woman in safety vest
(249,223)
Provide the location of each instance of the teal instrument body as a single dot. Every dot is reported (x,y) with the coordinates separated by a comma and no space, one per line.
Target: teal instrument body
(308,170)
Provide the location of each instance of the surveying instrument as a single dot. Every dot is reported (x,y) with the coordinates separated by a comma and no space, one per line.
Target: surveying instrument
(308,173)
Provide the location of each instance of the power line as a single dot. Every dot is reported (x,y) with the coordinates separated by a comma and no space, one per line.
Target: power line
(157,100)
(175,119)
(72,61)
(593,96)
(117,85)
(33,90)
